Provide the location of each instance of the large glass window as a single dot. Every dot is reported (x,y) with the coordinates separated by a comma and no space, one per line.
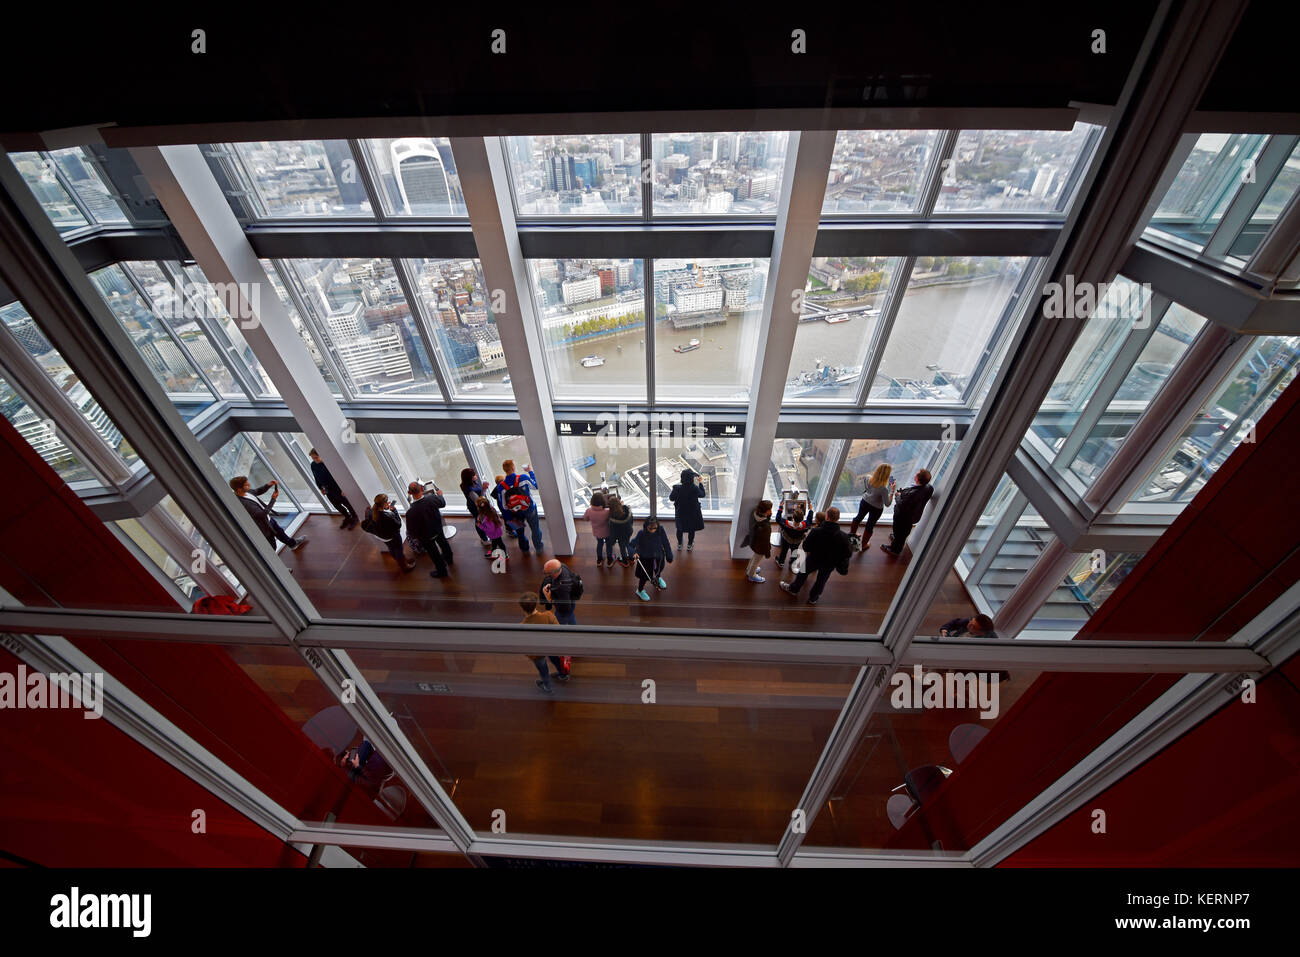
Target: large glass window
(425,458)
(575,175)
(242,456)
(878,171)
(718,174)
(40,173)
(797,463)
(946,326)
(593,323)
(1225,421)
(490,451)
(905,457)
(225,332)
(25,331)
(843,301)
(42,436)
(457,305)
(299,324)
(416,176)
(1157,360)
(602,464)
(299,178)
(170,365)
(987,522)
(1011,171)
(1205,186)
(717,461)
(367,324)
(1017,553)
(707,318)
(1270,207)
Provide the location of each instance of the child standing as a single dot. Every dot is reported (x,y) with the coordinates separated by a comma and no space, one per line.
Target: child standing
(760,539)
(793,529)
(620,530)
(489,523)
(650,550)
(598,515)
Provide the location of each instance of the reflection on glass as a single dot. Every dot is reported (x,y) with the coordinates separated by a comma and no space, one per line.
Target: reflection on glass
(83,175)
(169,365)
(718,174)
(227,332)
(39,172)
(946,326)
(491,451)
(1092,355)
(984,525)
(240,456)
(707,317)
(41,434)
(1157,360)
(1279,193)
(878,171)
(273,277)
(456,303)
(300,178)
(25,331)
(843,301)
(360,310)
(199,543)
(1010,171)
(1015,556)
(1205,186)
(592,313)
(416,176)
(608,464)
(1225,421)
(716,461)
(796,463)
(722,756)
(575,175)
(1090,579)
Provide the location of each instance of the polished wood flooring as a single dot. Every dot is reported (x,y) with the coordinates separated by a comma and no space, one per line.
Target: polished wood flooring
(348,574)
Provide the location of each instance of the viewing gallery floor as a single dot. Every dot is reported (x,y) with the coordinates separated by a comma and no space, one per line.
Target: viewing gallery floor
(350,575)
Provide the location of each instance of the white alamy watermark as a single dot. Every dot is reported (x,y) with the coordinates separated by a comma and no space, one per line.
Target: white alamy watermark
(951,689)
(1079,300)
(633,430)
(76,909)
(57,690)
(192,300)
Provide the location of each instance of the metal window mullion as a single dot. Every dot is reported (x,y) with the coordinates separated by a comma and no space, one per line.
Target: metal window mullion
(1002,527)
(648,294)
(1272,157)
(167,328)
(217,338)
(304,469)
(32,383)
(361,159)
(86,214)
(838,457)
(880,339)
(1116,372)
(180,548)
(423,326)
(647,182)
(944,147)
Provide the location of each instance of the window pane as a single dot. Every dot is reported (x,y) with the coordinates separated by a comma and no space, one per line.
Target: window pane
(707,317)
(878,171)
(301,178)
(84,178)
(239,456)
(1011,171)
(593,320)
(39,173)
(285,467)
(715,460)
(1090,579)
(1279,193)
(904,457)
(360,309)
(456,303)
(1205,186)
(427,458)
(1157,360)
(946,325)
(178,306)
(597,465)
(842,305)
(416,176)
(712,174)
(1015,556)
(492,450)
(232,343)
(42,436)
(796,463)
(984,525)
(198,541)
(1091,357)
(273,277)
(24,329)
(1225,420)
(576,175)
(165,360)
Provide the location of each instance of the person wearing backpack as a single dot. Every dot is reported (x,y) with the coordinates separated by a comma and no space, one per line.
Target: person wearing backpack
(828,551)
(560,591)
(650,550)
(687,517)
(793,529)
(517,502)
(384,523)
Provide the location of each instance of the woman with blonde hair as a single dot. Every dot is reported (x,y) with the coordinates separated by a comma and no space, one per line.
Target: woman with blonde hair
(877,497)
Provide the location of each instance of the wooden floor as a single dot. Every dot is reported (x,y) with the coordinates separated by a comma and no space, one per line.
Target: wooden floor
(724,752)
(349,575)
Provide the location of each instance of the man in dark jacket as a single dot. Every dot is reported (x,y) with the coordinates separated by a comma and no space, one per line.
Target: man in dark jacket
(330,489)
(828,548)
(908,506)
(557,591)
(261,513)
(981,626)
(424,524)
(687,516)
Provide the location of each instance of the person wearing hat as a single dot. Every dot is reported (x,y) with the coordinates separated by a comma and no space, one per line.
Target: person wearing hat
(424,524)
(650,550)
